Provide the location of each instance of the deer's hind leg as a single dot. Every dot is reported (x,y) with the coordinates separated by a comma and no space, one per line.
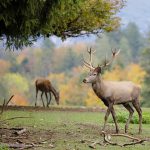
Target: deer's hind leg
(138,109)
(131,111)
(36,97)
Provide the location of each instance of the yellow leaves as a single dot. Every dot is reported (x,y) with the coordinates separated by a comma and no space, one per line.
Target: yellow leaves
(92,99)
(133,73)
(15,83)
(115,74)
(71,92)
(136,74)
(57,78)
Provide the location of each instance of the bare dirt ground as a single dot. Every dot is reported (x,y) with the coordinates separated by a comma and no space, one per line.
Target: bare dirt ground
(29,139)
(62,136)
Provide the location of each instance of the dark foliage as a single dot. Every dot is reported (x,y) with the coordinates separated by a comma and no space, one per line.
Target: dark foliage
(23,22)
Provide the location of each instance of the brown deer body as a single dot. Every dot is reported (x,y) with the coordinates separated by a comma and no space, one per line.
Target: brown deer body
(45,86)
(114,93)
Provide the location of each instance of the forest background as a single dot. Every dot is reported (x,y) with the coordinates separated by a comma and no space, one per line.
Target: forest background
(61,62)
(62,65)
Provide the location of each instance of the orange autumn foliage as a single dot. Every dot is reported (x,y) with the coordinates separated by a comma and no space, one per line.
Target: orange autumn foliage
(72,92)
(5,65)
(19,100)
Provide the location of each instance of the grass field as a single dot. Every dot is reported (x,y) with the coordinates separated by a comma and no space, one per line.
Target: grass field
(67,129)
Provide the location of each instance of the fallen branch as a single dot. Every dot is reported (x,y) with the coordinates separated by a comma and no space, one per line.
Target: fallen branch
(125,135)
(94,143)
(107,138)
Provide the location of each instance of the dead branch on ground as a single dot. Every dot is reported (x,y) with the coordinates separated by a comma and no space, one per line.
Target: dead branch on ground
(107,140)
(5,104)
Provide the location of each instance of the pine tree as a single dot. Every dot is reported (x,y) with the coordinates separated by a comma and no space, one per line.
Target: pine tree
(146,88)
(22,22)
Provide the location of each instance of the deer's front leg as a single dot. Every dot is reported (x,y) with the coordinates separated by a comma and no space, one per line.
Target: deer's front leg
(114,118)
(50,97)
(107,115)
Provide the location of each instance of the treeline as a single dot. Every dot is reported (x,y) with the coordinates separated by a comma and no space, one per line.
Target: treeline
(63,66)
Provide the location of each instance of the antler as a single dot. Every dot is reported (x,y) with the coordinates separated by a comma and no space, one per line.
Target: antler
(106,62)
(89,65)
(114,54)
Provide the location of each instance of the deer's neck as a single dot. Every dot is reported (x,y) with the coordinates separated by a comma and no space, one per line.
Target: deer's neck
(99,88)
(54,92)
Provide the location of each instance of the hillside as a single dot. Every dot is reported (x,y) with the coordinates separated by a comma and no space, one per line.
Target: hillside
(137,11)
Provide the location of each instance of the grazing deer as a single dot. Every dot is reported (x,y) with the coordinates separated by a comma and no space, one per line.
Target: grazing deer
(45,86)
(114,92)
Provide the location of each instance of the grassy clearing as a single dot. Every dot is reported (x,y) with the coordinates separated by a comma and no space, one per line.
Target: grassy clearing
(69,128)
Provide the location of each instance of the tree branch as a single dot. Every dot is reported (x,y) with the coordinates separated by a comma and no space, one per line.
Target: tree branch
(5,104)
(107,138)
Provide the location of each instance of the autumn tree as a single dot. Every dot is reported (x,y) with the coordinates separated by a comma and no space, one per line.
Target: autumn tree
(5,66)
(22,22)
(132,72)
(13,84)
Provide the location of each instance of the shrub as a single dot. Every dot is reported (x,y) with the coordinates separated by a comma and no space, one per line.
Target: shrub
(2,147)
(123,116)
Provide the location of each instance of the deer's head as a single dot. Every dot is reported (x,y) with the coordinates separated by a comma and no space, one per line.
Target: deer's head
(95,71)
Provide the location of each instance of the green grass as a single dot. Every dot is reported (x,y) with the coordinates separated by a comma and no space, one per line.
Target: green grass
(71,127)
(42,119)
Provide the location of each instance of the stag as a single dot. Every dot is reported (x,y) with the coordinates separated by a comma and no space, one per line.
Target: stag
(45,86)
(113,92)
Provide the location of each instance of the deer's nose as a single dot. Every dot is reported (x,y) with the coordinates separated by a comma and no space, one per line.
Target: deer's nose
(84,80)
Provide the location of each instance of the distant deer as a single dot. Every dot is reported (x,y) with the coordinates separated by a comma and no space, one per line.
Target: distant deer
(114,92)
(45,86)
